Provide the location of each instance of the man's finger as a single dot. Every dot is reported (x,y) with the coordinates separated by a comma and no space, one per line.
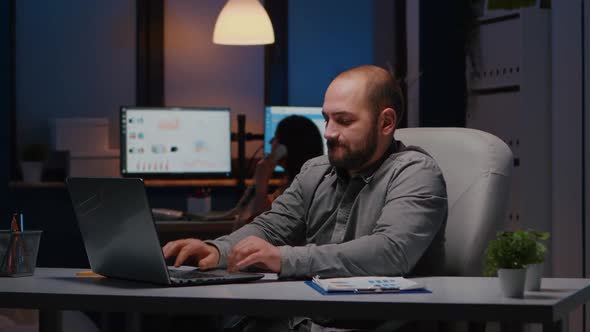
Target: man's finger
(251,259)
(245,249)
(238,255)
(172,248)
(244,243)
(207,262)
(185,253)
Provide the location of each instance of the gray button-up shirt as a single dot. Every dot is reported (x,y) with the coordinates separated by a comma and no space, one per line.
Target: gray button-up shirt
(380,222)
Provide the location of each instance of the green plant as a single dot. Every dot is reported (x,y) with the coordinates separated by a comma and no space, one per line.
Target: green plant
(540,248)
(34,152)
(510,250)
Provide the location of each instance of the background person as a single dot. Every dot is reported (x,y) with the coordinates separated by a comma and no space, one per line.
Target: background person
(296,140)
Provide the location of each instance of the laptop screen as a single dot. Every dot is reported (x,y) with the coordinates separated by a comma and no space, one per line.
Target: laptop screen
(175,142)
(274,114)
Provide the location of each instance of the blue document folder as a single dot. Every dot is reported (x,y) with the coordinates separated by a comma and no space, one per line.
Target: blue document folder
(323,292)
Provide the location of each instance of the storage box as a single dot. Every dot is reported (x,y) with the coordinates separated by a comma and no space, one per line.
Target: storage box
(103,163)
(81,134)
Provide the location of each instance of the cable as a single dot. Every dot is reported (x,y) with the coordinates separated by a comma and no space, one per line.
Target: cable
(249,168)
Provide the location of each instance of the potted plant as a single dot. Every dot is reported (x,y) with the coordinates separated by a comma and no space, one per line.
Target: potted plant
(508,255)
(534,271)
(33,156)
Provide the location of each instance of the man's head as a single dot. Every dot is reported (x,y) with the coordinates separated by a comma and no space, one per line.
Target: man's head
(361,108)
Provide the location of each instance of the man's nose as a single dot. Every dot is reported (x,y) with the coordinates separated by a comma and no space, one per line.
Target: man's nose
(330,133)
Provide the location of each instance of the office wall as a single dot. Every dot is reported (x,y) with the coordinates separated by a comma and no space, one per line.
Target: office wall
(384,27)
(326,38)
(566,151)
(74,59)
(586,134)
(200,73)
(566,131)
(585,72)
(4,108)
(413,56)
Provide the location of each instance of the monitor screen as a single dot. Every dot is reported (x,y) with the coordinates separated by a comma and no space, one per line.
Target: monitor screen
(274,114)
(175,142)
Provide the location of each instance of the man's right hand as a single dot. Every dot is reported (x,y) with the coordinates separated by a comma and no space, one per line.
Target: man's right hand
(184,249)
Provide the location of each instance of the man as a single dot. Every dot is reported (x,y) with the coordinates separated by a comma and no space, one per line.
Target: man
(371,207)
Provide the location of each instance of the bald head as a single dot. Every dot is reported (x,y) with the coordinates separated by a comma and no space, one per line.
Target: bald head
(381,88)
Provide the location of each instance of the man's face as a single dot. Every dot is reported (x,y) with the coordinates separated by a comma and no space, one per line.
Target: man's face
(351,127)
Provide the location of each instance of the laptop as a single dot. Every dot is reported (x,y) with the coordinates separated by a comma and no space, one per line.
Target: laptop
(120,235)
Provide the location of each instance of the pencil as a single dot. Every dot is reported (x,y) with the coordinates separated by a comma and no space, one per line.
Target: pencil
(88,274)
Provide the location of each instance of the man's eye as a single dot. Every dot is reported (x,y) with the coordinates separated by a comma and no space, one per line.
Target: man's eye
(344,121)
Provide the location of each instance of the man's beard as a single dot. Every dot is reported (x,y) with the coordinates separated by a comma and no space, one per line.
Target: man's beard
(354,159)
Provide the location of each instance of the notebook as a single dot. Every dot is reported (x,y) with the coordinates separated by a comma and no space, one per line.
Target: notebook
(366,285)
(120,236)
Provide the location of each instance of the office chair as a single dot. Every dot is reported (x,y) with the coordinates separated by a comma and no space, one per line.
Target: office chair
(477,168)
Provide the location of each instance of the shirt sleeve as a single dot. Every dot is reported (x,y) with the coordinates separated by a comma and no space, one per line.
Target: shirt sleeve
(282,225)
(414,210)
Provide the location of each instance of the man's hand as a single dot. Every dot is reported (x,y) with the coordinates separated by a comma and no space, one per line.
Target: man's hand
(184,249)
(254,250)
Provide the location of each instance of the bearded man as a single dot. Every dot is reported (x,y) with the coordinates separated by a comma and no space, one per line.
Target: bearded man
(372,206)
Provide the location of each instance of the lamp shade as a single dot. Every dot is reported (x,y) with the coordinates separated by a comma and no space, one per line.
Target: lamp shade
(243,22)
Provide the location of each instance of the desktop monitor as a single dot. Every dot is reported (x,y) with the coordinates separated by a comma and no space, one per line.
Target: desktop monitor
(274,114)
(175,142)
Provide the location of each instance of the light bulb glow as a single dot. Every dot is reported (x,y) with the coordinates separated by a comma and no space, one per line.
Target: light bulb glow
(243,22)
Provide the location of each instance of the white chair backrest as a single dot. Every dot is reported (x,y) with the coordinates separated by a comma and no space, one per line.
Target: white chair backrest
(477,167)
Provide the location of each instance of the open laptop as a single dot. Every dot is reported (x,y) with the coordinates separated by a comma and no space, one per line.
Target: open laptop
(120,236)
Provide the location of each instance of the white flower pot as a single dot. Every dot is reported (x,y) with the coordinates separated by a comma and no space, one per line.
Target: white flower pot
(31,170)
(534,273)
(512,282)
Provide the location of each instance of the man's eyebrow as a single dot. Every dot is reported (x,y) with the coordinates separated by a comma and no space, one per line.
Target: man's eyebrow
(342,112)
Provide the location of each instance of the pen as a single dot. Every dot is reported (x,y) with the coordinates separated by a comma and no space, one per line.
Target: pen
(14,224)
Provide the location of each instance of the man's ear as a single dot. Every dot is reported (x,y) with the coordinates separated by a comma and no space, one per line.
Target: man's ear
(389,120)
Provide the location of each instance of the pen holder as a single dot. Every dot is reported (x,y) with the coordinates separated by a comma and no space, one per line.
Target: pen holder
(18,252)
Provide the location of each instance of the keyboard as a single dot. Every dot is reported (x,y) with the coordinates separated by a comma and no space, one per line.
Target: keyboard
(192,274)
(196,277)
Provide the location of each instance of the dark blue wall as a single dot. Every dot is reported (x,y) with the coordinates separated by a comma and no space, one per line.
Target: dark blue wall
(325,38)
(75,59)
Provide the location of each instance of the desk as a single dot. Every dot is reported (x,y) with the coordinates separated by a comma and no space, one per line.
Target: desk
(153,183)
(452,298)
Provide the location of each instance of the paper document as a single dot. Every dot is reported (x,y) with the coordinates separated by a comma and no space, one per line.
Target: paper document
(367,284)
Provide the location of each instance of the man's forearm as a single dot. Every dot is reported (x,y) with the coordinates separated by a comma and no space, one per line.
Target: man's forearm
(225,243)
(369,255)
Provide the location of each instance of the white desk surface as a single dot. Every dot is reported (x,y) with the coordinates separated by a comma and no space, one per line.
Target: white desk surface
(452,298)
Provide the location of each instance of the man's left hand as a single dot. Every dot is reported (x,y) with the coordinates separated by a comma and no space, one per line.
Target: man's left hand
(254,250)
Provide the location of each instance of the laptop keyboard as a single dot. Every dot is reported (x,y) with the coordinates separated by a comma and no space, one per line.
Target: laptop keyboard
(192,274)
